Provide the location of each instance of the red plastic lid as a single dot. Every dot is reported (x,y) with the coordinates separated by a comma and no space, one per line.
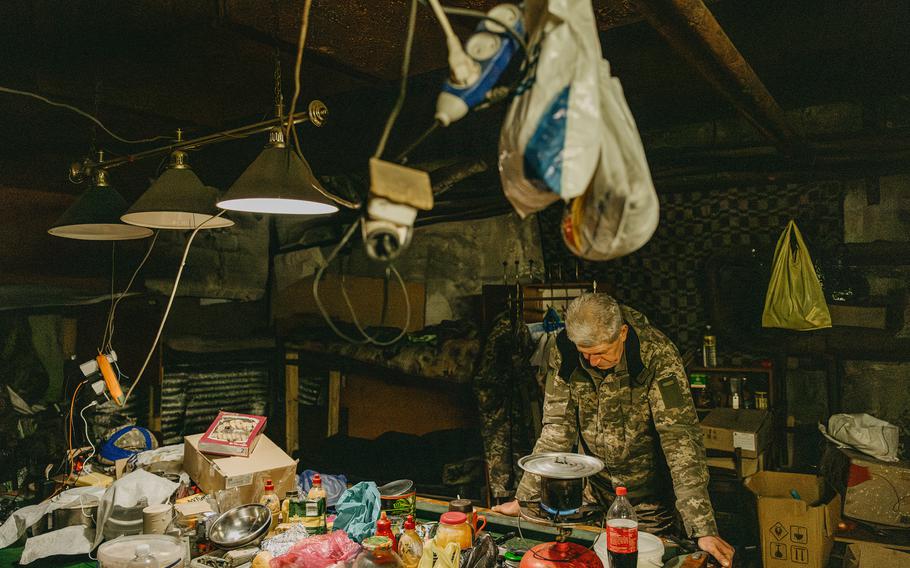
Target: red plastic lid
(562,555)
(453,518)
(410,525)
(317,480)
(620,491)
(383,522)
(268,485)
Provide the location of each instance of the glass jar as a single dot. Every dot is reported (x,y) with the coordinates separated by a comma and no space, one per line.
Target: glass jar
(453,527)
(377,551)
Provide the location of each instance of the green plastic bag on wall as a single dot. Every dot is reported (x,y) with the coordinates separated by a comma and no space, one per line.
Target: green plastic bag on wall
(795,299)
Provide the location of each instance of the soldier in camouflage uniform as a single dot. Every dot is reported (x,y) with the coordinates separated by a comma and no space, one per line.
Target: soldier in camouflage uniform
(616,386)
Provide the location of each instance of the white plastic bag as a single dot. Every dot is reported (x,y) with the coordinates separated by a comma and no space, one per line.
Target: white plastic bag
(865,433)
(619,212)
(549,145)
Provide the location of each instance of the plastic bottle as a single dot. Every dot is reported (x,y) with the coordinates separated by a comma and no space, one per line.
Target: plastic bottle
(384,528)
(314,508)
(143,558)
(709,348)
(410,545)
(622,532)
(270,500)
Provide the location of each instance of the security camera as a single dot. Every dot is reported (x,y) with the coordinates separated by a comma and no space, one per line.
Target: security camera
(387,228)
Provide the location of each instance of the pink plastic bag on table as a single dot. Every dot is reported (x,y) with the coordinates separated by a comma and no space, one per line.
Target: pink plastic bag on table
(320,551)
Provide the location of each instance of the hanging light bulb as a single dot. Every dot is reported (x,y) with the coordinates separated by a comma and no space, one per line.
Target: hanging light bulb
(278,181)
(95,216)
(177,200)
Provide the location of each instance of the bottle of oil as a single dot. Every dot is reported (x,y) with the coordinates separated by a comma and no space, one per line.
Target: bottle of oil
(709,348)
(270,500)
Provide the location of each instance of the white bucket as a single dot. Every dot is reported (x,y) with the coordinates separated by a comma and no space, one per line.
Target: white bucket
(650,550)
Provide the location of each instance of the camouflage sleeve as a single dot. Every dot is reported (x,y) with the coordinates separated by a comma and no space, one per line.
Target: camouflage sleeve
(559,432)
(681,439)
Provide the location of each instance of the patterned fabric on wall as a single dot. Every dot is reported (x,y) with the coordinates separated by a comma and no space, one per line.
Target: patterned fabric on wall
(665,278)
(192,397)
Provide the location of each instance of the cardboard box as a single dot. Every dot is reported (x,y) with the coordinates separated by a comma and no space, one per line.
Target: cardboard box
(750,466)
(868,555)
(232,434)
(726,429)
(248,475)
(874,491)
(794,532)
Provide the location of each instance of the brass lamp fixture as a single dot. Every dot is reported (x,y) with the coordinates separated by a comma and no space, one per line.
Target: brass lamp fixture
(177,200)
(95,216)
(279,181)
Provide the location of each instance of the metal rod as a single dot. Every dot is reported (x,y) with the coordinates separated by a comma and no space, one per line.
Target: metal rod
(239,132)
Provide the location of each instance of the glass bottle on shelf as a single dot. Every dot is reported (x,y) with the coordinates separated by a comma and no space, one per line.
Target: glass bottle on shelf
(709,348)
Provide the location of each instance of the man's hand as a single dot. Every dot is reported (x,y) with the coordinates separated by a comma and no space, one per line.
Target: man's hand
(718,548)
(511,508)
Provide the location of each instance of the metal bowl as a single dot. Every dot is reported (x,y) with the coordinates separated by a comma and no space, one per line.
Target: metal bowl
(240,526)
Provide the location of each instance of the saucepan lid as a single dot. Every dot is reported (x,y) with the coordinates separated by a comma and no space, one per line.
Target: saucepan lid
(561,465)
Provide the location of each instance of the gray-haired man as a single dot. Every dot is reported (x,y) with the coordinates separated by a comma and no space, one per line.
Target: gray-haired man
(616,386)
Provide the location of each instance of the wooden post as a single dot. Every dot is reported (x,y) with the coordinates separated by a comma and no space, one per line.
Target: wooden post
(334,403)
(291,404)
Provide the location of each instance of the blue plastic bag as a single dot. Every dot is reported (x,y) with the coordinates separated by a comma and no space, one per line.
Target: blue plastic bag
(334,485)
(358,510)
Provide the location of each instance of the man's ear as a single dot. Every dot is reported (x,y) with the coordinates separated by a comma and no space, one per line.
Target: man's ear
(623,332)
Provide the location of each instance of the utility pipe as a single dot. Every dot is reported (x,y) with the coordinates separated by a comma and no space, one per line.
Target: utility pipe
(691,29)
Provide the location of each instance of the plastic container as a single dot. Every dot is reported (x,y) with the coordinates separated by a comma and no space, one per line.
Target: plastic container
(622,532)
(453,527)
(377,551)
(410,545)
(143,558)
(650,550)
(270,500)
(119,552)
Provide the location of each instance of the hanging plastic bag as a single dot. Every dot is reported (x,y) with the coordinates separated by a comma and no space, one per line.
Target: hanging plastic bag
(866,433)
(548,146)
(619,212)
(795,299)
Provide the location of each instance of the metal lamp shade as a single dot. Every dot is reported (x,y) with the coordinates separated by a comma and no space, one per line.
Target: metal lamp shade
(278,181)
(177,200)
(95,216)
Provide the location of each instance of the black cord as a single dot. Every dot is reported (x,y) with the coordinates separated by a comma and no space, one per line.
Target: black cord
(403,86)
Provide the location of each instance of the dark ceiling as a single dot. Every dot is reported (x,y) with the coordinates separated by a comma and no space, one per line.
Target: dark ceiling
(147,67)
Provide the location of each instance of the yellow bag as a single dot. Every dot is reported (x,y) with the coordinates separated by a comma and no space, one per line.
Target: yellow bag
(795,299)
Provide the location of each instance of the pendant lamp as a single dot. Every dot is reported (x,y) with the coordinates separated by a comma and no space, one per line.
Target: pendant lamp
(95,216)
(278,181)
(177,200)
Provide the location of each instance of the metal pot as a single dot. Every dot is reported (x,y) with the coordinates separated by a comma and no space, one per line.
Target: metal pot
(74,514)
(561,496)
(562,477)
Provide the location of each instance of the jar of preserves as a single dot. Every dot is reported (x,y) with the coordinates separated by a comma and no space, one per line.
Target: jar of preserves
(453,527)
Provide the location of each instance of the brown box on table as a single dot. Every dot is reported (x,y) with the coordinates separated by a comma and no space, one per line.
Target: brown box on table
(248,475)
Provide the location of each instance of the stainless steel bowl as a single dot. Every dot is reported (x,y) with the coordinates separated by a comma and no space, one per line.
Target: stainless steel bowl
(240,526)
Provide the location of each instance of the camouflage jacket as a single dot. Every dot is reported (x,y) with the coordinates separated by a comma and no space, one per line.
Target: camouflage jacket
(638,418)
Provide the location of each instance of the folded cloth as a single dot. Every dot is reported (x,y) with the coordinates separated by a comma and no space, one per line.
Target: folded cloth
(358,509)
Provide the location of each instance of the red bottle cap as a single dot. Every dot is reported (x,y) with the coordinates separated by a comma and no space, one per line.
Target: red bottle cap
(317,480)
(268,485)
(620,491)
(453,518)
(383,523)
(409,524)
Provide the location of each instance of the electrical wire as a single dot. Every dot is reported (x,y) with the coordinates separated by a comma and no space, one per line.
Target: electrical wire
(402,158)
(403,86)
(291,132)
(328,319)
(83,113)
(88,437)
(107,340)
(301,41)
(170,302)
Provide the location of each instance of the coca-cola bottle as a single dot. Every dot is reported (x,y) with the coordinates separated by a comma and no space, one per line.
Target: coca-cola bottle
(622,532)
